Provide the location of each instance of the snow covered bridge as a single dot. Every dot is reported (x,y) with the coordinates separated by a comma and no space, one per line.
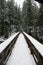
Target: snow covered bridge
(21,49)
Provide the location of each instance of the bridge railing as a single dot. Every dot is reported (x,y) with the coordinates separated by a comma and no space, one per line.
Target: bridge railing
(6,48)
(36,49)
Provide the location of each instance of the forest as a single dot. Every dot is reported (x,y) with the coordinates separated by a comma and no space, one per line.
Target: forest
(29,19)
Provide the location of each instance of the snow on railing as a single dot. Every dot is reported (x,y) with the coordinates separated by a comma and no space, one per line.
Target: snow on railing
(7,42)
(36,44)
(36,49)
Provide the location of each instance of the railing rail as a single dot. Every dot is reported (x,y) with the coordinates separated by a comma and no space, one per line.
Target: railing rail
(6,48)
(38,57)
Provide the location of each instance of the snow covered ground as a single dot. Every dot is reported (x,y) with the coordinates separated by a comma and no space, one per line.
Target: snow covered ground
(1,39)
(21,53)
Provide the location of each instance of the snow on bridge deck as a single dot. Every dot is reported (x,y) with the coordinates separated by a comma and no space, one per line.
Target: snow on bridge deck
(21,53)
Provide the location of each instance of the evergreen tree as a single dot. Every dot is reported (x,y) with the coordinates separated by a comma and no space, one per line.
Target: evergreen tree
(10,17)
(40,20)
(14,15)
(17,18)
(2,16)
(27,15)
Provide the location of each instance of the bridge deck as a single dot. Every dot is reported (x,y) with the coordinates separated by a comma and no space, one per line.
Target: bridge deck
(21,53)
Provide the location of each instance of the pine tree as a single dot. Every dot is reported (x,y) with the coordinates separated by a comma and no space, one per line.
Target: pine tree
(14,15)
(2,15)
(40,20)
(39,24)
(10,5)
(27,15)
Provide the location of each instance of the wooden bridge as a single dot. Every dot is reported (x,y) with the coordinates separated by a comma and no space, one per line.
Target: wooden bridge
(36,48)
